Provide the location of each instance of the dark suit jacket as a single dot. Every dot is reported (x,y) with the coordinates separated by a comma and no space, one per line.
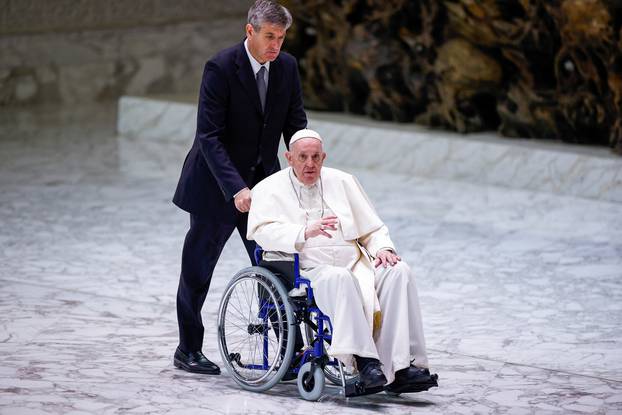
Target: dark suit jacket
(232,131)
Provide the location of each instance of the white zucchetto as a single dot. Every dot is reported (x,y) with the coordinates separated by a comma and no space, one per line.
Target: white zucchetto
(304,133)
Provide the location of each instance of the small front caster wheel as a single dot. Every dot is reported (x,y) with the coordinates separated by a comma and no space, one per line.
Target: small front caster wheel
(310,382)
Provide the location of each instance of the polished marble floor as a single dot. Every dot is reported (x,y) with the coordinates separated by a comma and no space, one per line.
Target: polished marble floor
(521,291)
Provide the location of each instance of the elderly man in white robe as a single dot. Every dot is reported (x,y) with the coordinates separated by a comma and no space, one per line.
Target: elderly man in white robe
(345,250)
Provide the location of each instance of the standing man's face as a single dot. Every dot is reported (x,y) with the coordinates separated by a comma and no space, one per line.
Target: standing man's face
(266,43)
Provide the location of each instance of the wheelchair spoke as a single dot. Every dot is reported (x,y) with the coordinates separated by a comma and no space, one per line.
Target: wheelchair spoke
(241,328)
(239,342)
(238,319)
(240,313)
(238,323)
(249,299)
(256,340)
(242,352)
(249,341)
(244,288)
(254,297)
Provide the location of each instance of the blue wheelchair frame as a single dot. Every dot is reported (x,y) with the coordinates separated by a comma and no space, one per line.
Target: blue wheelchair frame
(315,354)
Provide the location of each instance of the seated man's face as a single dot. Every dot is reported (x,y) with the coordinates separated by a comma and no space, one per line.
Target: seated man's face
(306,158)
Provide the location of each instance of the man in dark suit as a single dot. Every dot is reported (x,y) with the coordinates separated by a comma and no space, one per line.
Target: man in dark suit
(250,95)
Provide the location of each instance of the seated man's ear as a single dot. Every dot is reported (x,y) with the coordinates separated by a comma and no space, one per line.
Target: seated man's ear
(288,156)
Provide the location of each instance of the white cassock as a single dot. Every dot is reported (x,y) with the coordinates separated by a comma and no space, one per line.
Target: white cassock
(374,311)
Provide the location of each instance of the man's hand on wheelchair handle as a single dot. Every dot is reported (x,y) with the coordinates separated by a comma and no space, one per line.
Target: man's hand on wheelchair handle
(318,227)
(242,200)
(385,258)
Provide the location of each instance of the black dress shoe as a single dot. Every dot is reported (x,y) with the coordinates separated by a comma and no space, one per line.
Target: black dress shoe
(371,375)
(412,374)
(412,379)
(195,362)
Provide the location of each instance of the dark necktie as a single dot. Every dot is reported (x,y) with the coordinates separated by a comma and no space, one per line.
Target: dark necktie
(261,86)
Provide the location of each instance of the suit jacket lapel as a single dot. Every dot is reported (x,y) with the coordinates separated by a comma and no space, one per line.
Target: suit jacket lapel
(247,78)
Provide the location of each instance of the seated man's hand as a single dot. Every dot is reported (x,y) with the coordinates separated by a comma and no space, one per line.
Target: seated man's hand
(385,258)
(242,200)
(318,227)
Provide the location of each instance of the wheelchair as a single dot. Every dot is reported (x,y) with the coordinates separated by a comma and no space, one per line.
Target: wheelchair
(266,336)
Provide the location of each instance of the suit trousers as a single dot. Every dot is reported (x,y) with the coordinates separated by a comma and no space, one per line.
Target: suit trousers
(203,245)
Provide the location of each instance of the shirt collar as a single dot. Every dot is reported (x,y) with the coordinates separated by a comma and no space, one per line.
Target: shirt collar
(254,63)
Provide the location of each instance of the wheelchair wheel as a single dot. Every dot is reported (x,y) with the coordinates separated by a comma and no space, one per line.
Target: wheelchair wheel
(331,372)
(310,381)
(254,336)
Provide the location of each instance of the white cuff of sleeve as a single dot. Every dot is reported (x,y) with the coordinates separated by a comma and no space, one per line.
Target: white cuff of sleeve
(300,239)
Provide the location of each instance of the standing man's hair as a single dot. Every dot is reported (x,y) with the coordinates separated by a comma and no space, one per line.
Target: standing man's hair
(268,11)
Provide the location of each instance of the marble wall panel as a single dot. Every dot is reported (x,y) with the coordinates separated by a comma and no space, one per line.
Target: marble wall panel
(37,16)
(414,150)
(77,67)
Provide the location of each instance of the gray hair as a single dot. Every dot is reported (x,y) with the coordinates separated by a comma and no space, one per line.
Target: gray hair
(268,11)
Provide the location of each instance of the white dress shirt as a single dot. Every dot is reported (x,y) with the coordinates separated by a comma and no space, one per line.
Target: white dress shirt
(256,65)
